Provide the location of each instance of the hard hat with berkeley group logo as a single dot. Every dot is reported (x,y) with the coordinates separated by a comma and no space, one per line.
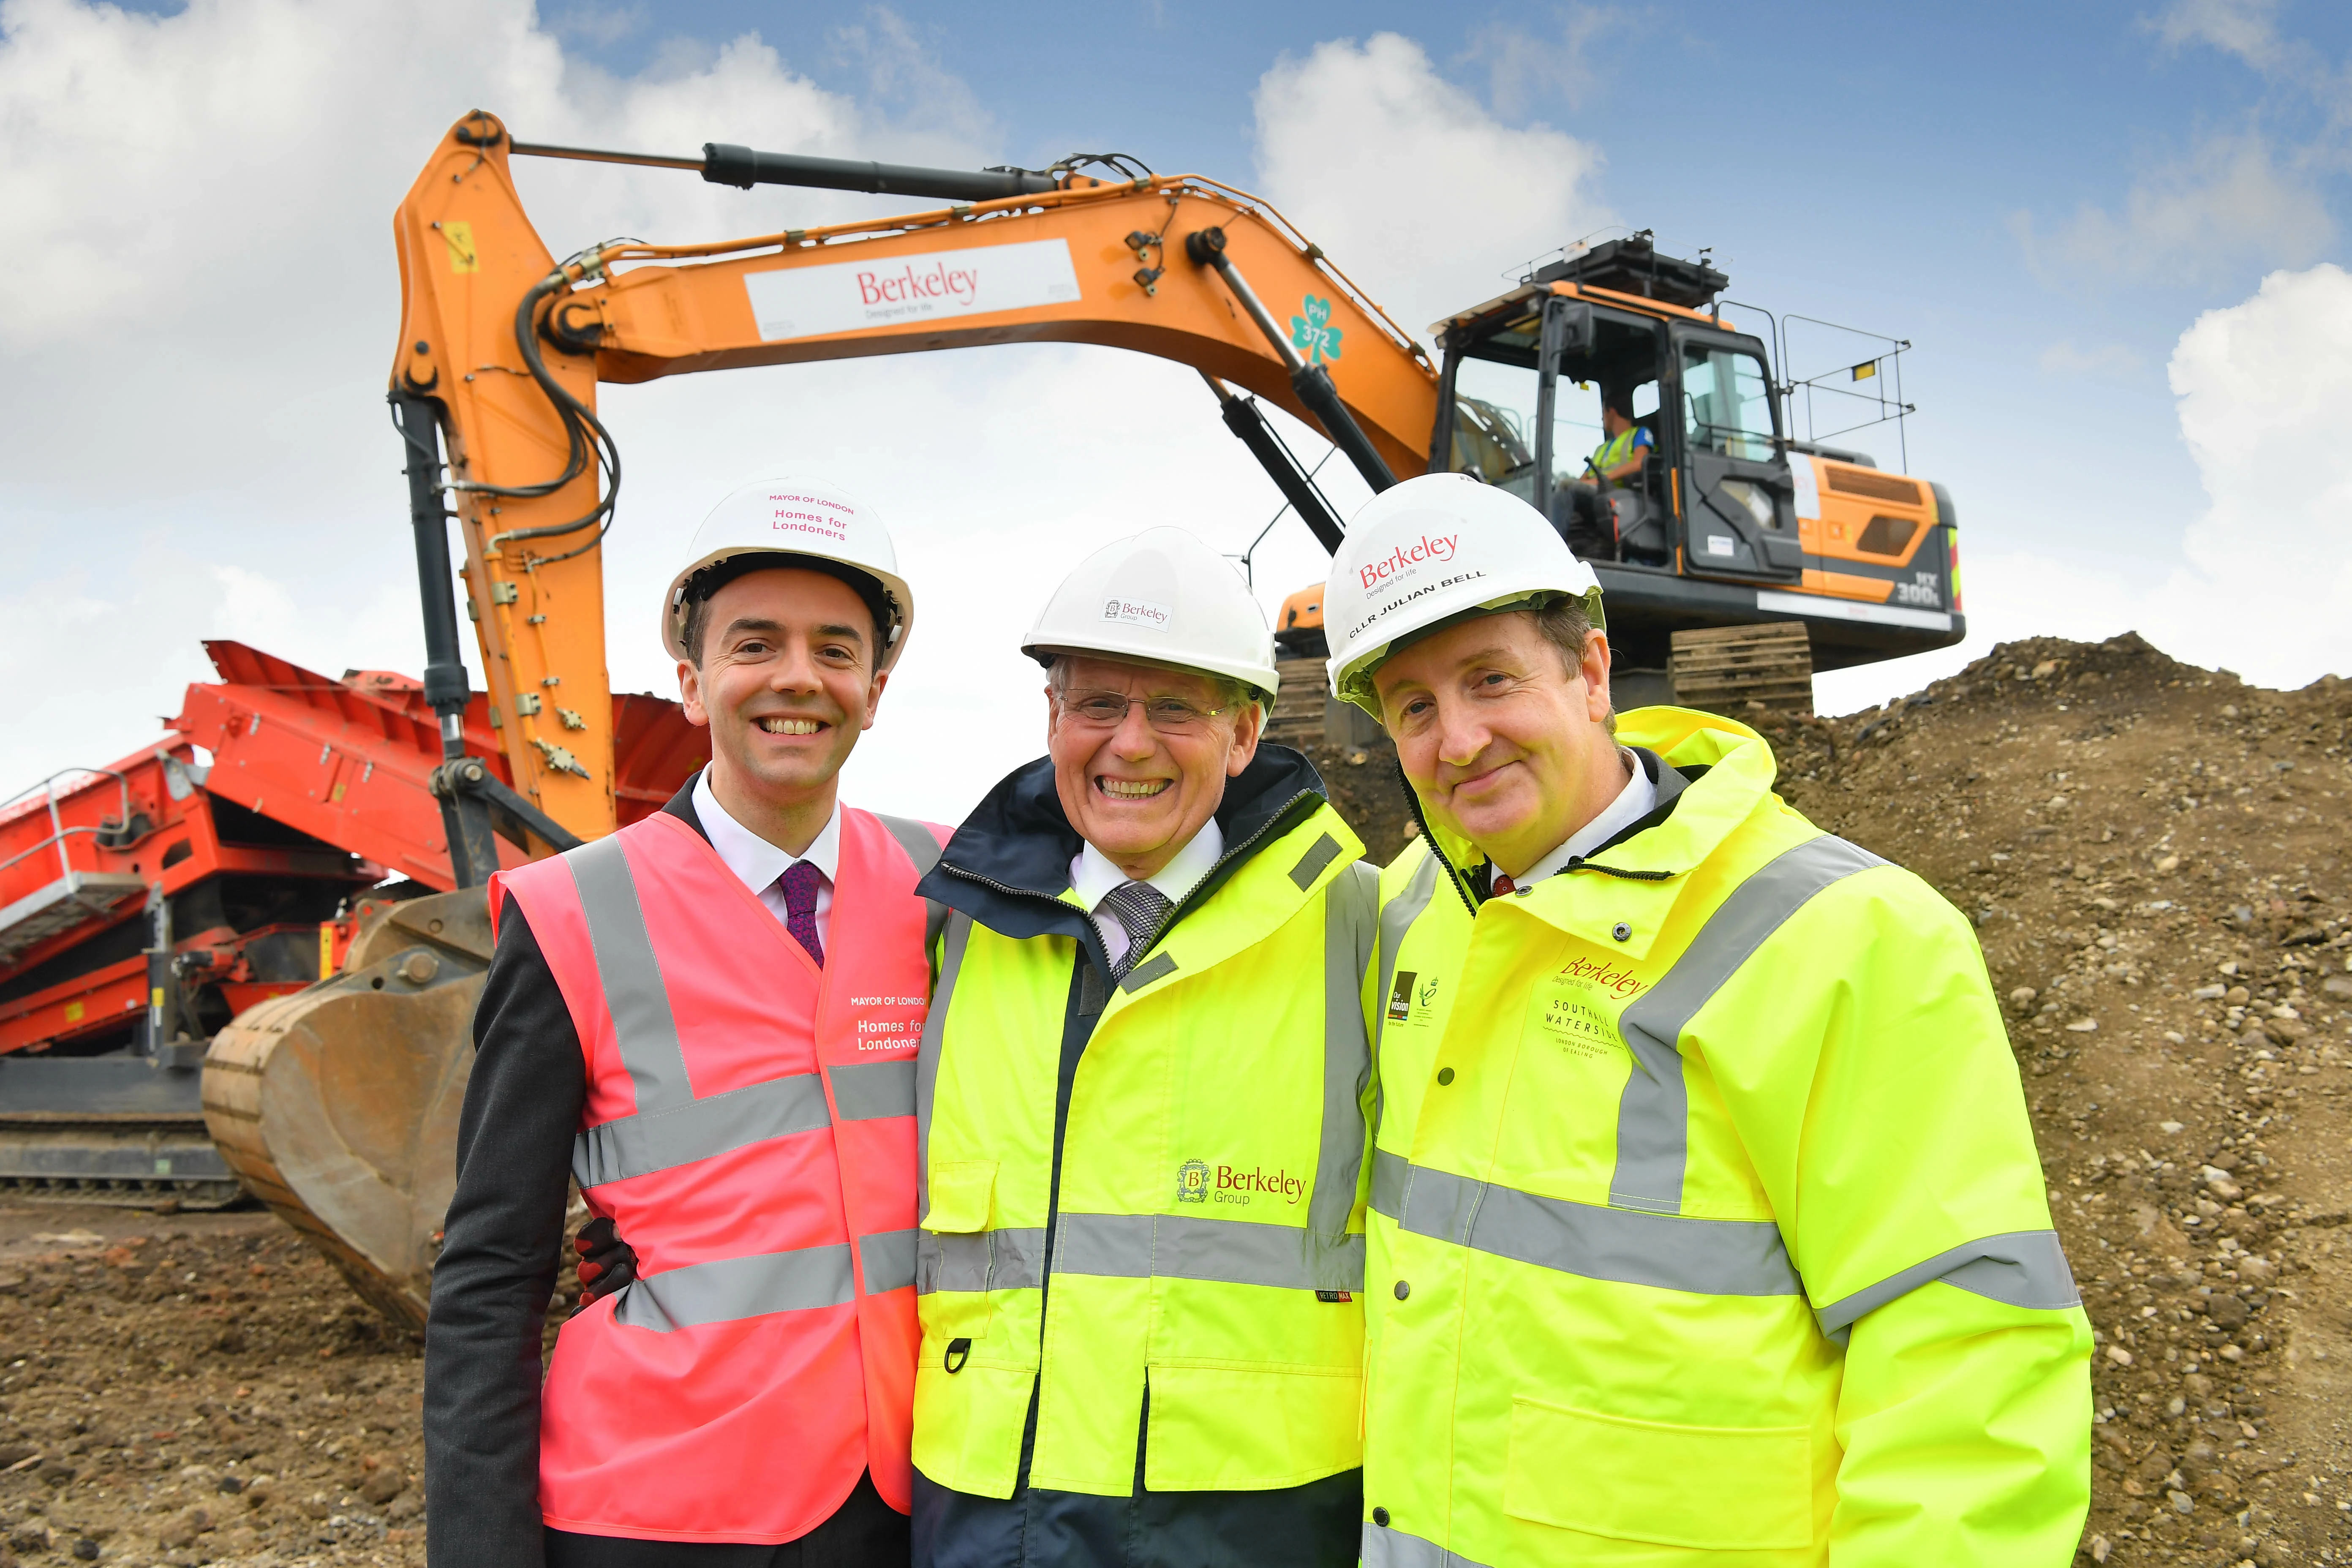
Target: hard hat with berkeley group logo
(1161,597)
(1431,551)
(794,523)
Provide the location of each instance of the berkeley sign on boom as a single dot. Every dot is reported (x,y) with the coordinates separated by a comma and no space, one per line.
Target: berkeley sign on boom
(848,296)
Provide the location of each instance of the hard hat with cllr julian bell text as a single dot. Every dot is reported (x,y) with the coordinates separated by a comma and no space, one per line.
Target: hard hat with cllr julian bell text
(789,517)
(1161,597)
(1433,550)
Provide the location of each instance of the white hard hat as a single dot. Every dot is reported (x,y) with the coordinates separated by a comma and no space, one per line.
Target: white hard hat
(1163,597)
(796,517)
(1435,549)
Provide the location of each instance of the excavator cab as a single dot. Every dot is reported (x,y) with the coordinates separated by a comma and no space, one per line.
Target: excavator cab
(1526,377)
(1730,521)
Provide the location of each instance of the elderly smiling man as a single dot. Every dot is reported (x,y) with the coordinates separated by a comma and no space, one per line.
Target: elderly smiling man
(1141,1107)
(1708,1219)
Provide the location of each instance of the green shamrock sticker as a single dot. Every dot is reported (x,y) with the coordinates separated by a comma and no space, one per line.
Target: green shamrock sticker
(1317,338)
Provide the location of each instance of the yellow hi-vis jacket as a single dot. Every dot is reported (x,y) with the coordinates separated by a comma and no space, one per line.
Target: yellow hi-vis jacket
(1708,1225)
(1208,1221)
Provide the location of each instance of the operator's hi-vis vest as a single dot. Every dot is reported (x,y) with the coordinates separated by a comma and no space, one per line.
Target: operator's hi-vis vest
(750,1127)
(1708,1224)
(1209,1233)
(1617,449)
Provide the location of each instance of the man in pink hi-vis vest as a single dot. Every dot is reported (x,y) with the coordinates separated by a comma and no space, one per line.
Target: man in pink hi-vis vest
(710,1020)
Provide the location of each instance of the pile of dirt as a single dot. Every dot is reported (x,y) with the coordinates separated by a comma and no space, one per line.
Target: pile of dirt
(2154,856)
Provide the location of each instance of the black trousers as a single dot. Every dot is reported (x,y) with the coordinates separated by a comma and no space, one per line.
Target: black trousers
(863,1532)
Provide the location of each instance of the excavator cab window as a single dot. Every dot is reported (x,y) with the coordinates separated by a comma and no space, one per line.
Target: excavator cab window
(1726,403)
(1497,396)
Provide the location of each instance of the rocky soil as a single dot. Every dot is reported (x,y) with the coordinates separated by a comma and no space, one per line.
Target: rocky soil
(2156,859)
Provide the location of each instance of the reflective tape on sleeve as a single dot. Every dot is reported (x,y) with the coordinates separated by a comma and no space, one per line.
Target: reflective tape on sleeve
(1385,1546)
(633,1145)
(887,1258)
(2025,1269)
(1012,1258)
(916,839)
(868,1091)
(729,1289)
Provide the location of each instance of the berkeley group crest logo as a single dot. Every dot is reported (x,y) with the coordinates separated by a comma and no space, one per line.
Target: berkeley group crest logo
(1192,1182)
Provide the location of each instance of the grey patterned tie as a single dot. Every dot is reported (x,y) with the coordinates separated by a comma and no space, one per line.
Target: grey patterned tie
(1141,910)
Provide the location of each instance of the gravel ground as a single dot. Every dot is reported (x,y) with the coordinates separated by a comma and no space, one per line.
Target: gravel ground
(2154,857)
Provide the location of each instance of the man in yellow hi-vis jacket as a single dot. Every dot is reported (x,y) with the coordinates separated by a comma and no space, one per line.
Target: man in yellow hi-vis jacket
(1707,1222)
(1141,1100)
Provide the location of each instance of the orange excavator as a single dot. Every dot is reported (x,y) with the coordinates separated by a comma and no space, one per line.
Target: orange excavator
(335,1103)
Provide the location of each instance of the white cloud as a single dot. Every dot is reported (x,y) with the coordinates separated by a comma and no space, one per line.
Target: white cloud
(1341,132)
(2262,584)
(2231,203)
(1526,68)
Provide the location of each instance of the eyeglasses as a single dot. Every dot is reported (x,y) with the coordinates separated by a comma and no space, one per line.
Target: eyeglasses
(1107,711)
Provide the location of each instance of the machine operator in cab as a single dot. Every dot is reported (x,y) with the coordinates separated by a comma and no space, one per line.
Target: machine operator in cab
(1706,1217)
(1616,464)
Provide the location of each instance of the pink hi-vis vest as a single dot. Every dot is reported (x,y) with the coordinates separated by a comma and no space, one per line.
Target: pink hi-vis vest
(751,1128)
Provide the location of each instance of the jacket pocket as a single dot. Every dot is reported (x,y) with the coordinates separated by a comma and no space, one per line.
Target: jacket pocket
(1719,1488)
(1227,1428)
(963,1192)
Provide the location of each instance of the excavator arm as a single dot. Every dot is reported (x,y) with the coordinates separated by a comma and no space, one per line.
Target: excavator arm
(505,346)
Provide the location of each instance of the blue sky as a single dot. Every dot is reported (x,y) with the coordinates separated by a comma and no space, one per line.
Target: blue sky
(2112,234)
(2040,198)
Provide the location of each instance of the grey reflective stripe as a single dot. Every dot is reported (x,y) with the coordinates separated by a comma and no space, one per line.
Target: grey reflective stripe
(729,1289)
(927,1055)
(1225,1251)
(1348,928)
(643,1028)
(1387,1546)
(1396,919)
(1321,853)
(1389,1174)
(1157,966)
(2023,1269)
(1013,1259)
(1703,1257)
(1654,1115)
(924,850)
(916,839)
(657,1140)
(867,1091)
(888,1258)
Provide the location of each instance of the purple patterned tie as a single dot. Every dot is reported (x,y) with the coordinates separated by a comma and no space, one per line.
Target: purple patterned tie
(800,882)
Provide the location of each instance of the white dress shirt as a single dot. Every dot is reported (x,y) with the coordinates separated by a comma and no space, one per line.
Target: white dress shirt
(1635,802)
(758,863)
(1094,874)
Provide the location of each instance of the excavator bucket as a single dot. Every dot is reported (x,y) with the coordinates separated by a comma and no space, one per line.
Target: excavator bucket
(338,1106)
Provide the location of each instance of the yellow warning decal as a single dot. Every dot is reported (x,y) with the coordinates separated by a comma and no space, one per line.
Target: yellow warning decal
(458,235)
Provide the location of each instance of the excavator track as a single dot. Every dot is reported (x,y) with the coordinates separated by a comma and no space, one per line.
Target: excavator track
(338,1106)
(1736,669)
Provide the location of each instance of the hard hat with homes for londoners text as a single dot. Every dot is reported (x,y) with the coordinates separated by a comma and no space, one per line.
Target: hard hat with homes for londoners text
(789,517)
(1433,550)
(1161,597)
